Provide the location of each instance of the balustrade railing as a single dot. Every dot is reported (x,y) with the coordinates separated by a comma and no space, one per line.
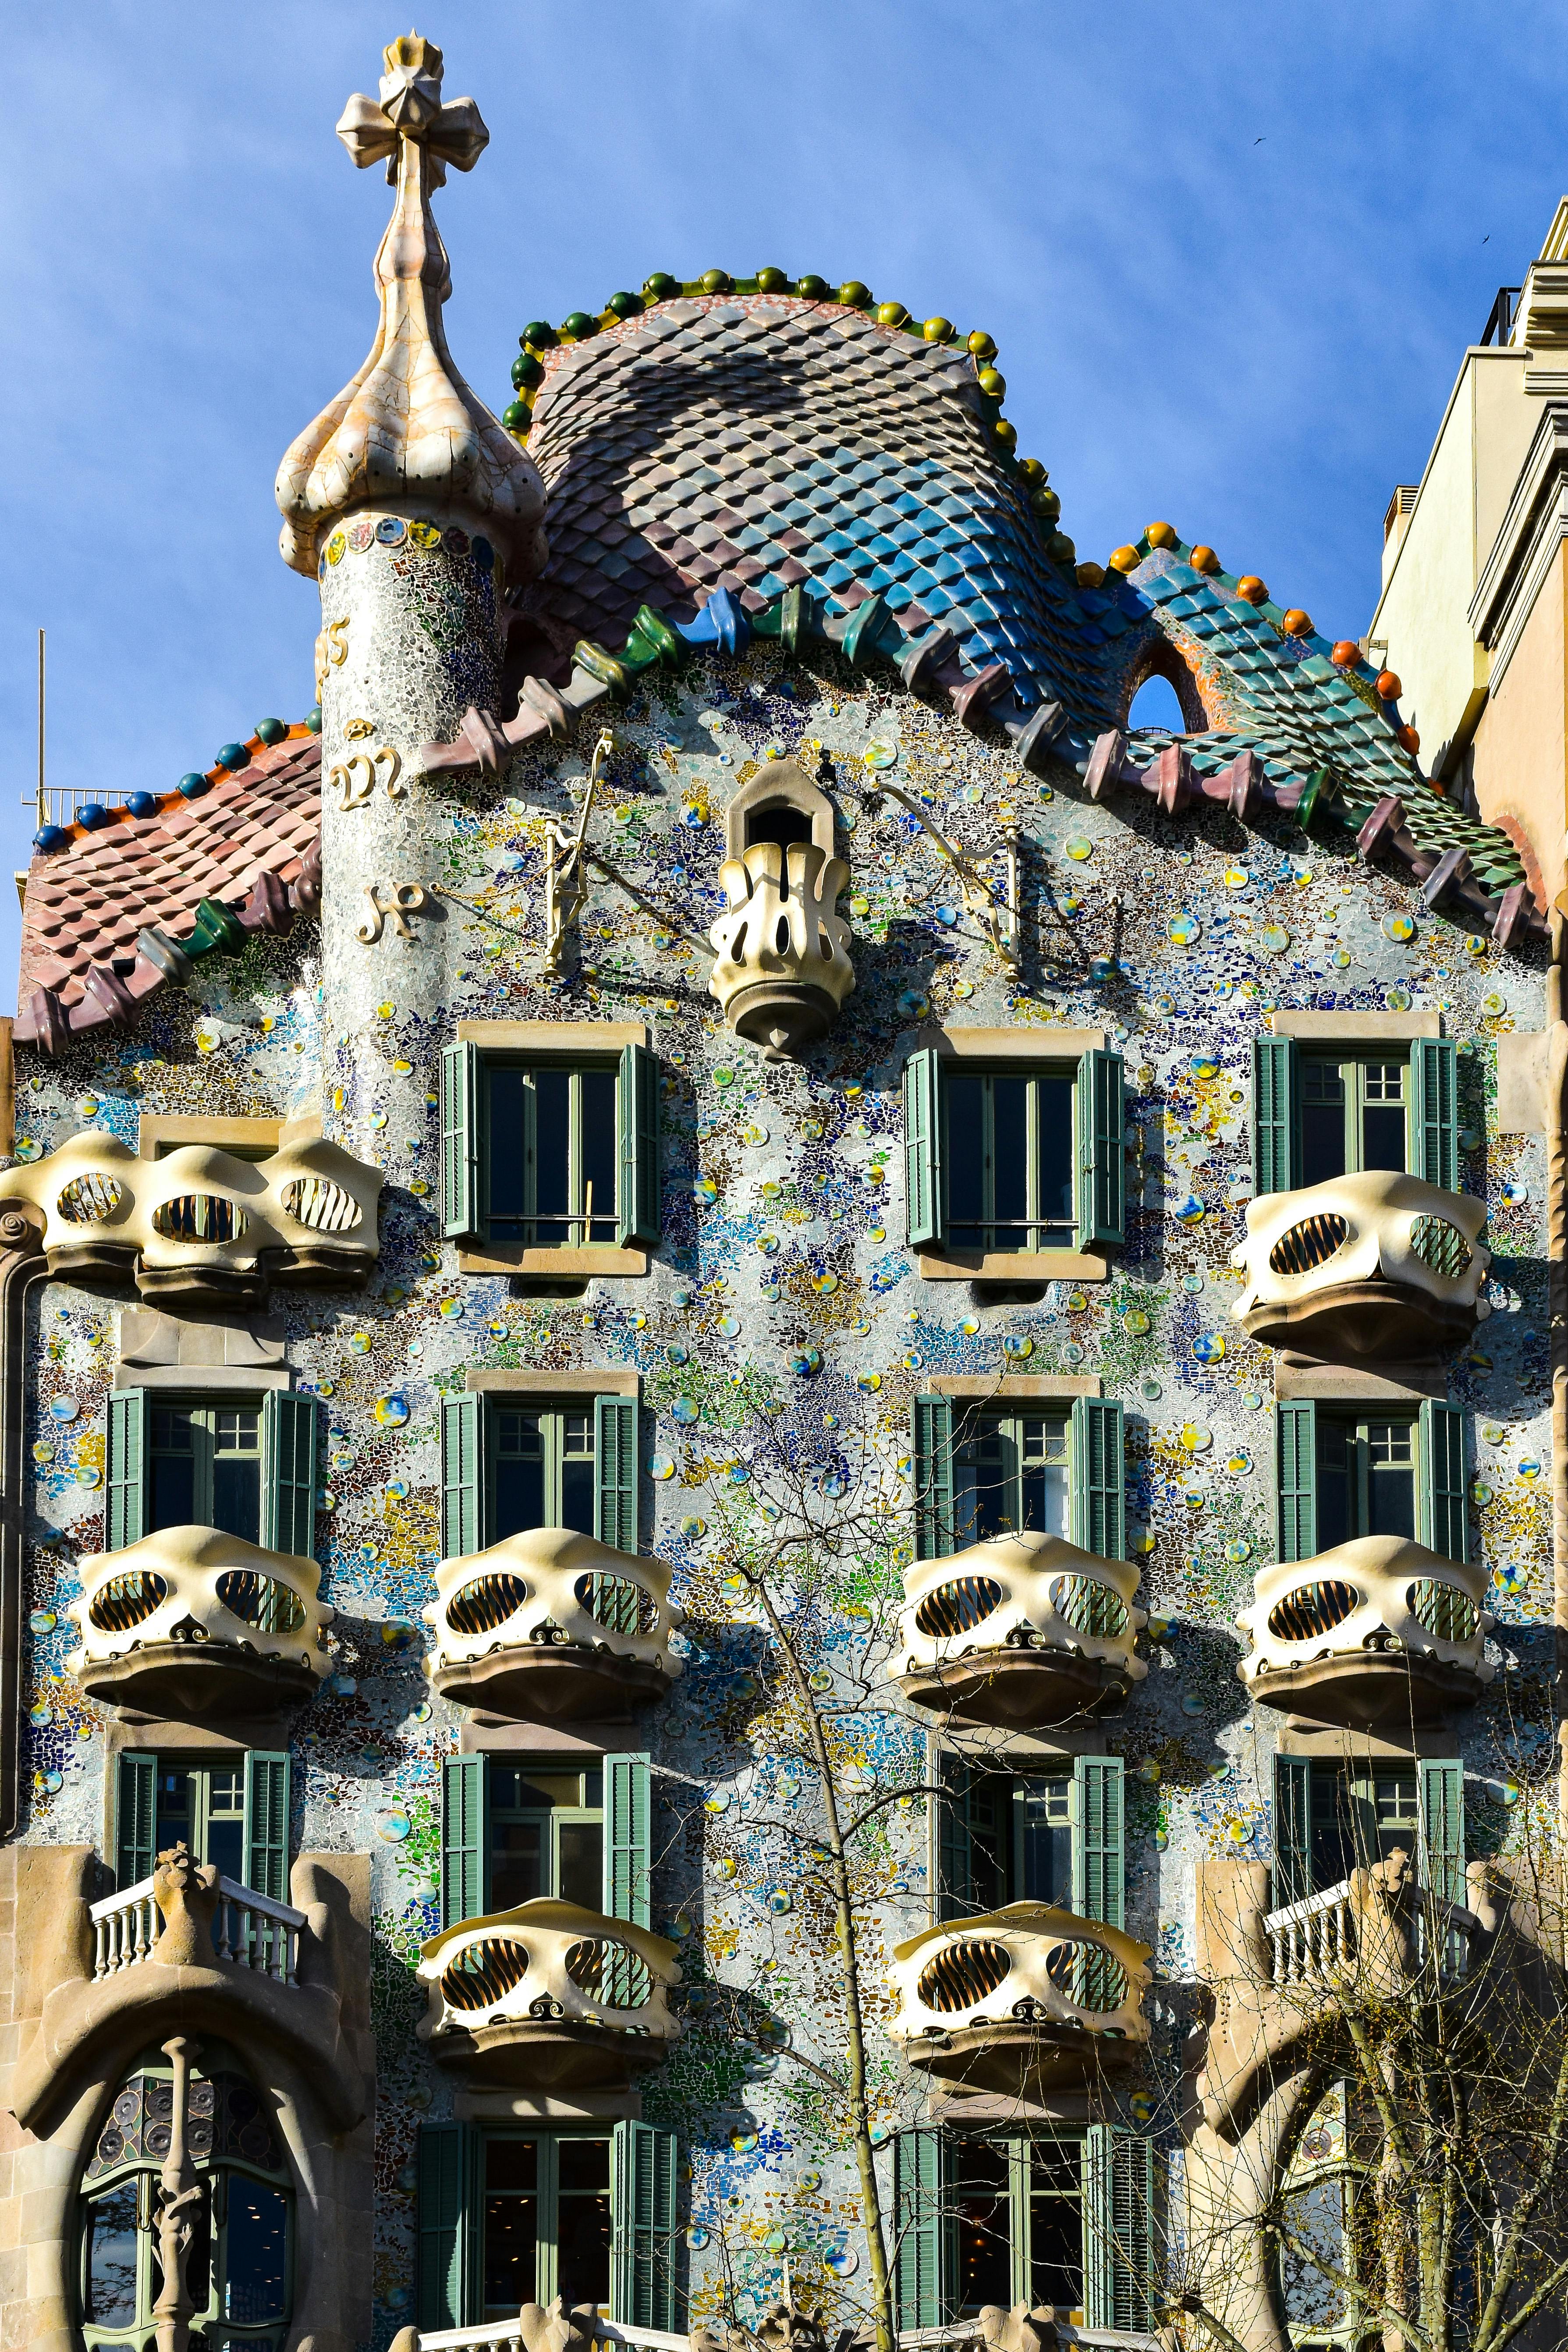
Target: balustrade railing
(1315,1944)
(248,1930)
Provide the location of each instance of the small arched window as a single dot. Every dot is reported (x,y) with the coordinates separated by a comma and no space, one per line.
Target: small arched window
(239,2269)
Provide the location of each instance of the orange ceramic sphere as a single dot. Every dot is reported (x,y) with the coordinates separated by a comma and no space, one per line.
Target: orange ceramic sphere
(1346,654)
(1298,623)
(1388,685)
(1162,534)
(1411,740)
(1204,559)
(1126,559)
(1251,589)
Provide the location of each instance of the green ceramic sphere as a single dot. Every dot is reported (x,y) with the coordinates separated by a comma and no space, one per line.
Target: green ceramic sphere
(812,287)
(1032,470)
(272,730)
(626,306)
(981,345)
(994,385)
(660,287)
(1007,434)
(580,326)
(515,416)
(540,334)
(1061,548)
(717,281)
(526,373)
(854,296)
(1046,503)
(939,331)
(772,281)
(891,314)
(313,718)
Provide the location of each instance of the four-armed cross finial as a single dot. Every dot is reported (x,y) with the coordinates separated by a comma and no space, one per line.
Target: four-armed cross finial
(411,107)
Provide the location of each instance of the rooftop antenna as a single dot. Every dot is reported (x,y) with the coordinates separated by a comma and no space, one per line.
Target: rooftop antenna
(43,798)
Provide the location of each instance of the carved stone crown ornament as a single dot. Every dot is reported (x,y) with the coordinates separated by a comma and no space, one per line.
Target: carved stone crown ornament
(407,426)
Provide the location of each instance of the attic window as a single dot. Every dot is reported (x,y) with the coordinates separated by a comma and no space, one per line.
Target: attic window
(778,822)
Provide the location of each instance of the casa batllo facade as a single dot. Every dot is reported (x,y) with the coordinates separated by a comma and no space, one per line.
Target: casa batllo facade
(713,1017)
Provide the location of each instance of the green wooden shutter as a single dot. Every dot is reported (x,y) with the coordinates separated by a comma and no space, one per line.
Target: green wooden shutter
(923,1113)
(125,1470)
(462,1142)
(1442,1870)
(288,1472)
(933,1478)
(1100,1117)
(1433,1111)
(643,2249)
(628,1837)
(1296,1478)
(1099,1868)
(616,1470)
(266,1808)
(1292,1830)
(136,1818)
(1119,2238)
(442,2255)
(1276,1114)
(641,1203)
(1445,1513)
(918,2265)
(465,1487)
(954,1844)
(1098,1477)
(464,1789)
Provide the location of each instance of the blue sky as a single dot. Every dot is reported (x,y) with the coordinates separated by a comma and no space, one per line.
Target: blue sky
(1230,255)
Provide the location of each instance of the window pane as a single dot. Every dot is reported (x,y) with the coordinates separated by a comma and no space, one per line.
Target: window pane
(1055,2225)
(1382,1116)
(1055,1151)
(510,2225)
(1336,1483)
(225,1839)
(990,1838)
(1048,1841)
(983,2258)
(508,1150)
(581,1851)
(983,1483)
(552,1154)
(517,1863)
(1010,1159)
(1395,1812)
(1043,1446)
(110,2257)
(175,1811)
(582,2221)
(966,1147)
(518,1472)
(171,1501)
(256,2267)
(236,1495)
(1333,1838)
(601,1151)
(1317,2222)
(1322,1121)
(579,1477)
(1391,1477)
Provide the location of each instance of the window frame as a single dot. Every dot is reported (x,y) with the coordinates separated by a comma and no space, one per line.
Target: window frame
(216,2172)
(1352,1065)
(579,1234)
(1039,1233)
(1096,1470)
(1096,1822)
(625,1813)
(468,1458)
(551,1819)
(1008,1423)
(1431,1099)
(1358,1423)
(1442,1481)
(203,1408)
(1440,1845)
(291,1462)
(553,1415)
(267,1823)
(637,1147)
(549,2138)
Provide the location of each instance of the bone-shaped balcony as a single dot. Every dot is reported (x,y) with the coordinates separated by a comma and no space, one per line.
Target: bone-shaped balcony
(549,1996)
(199,1227)
(1376,1632)
(193,1622)
(1364,1267)
(1021,1631)
(1017,2000)
(551,1626)
(783,967)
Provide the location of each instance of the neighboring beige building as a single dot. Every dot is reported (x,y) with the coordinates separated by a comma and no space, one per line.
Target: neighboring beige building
(1472,614)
